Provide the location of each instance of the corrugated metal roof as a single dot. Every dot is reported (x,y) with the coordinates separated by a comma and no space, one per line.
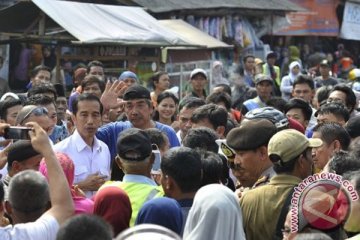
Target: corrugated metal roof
(160,6)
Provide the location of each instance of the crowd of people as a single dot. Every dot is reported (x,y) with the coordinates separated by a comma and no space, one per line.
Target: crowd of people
(112,157)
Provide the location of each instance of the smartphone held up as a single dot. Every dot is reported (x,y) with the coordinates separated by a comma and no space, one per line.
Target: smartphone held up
(17,133)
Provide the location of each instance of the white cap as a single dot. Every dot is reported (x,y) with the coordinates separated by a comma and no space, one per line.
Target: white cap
(196,71)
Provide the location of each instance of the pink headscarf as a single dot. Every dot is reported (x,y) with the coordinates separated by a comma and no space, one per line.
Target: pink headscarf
(82,204)
(113,205)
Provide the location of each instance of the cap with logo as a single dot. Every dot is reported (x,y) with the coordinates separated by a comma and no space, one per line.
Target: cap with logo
(325,63)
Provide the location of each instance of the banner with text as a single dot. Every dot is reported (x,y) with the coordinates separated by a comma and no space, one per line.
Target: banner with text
(350,28)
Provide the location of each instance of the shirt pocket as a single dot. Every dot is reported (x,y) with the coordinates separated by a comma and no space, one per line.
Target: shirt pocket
(81,173)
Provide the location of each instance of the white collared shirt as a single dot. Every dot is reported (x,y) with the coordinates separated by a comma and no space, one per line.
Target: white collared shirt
(87,160)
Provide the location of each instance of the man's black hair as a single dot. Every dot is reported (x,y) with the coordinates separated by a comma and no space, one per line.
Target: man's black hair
(278,103)
(333,131)
(323,93)
(41,100)
(343,162)
(85,97)
(184,165)
(5,105)
(191,102)
(29,193)
(220,97)
(39,68)
(216,115)
(355,177)
(350,95)
(300,104)
(42,88)
(157,137)
(201,138)
(94,63)
(85,226)
(304,79)
(91,79)
(226,88)
(335,108)
(212,168)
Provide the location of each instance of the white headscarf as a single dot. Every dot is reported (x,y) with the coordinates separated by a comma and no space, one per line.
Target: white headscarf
(215,214)
(291,66)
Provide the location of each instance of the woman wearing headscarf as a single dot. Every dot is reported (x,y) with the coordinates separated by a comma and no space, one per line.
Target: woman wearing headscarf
(113,205)
(81,203)
(288,80)
(215,214)
(162,211)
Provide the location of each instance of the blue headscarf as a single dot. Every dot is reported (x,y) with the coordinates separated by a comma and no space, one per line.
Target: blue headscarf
(162,211)
(128,74)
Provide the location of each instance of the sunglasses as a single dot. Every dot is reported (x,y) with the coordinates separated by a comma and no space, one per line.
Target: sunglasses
(233,166)
(38,111)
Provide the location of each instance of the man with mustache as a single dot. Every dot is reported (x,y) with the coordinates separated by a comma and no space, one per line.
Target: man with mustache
(252,166)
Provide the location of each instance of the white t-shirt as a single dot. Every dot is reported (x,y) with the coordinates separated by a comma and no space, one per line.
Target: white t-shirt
(45,228)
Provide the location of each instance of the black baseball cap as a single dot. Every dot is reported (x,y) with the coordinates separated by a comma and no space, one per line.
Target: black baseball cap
(136,92)
(134,141)
(20,151)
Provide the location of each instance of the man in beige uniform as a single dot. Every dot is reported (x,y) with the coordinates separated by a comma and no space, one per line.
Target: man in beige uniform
(252,166)
(290,151)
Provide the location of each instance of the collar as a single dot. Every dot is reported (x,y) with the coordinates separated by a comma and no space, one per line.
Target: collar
(138,179)
(284,179)
(269,172)
(195,94)
(6,180)
(80,144)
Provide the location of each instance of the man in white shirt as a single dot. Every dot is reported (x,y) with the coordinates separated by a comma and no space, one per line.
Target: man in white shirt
(46,227)
(91,156)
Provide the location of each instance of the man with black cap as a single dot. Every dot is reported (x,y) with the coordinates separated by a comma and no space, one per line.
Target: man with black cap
(139,109)
(135,158)
(264,87)
(252,166)
(21,156)
(325,79)
(290,152)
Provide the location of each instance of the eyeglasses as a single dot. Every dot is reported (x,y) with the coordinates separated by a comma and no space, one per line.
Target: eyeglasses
(234,166)
(38,111)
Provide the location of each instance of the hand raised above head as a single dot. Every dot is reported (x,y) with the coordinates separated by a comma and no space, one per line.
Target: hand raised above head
(111,94)
(39,138)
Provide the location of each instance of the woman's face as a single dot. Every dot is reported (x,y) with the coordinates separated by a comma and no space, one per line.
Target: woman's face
(163,83)
(166,108)
(295,70)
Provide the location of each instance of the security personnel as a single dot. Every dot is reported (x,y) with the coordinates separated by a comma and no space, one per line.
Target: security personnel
(135,158)
(252,166)
(262,207)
